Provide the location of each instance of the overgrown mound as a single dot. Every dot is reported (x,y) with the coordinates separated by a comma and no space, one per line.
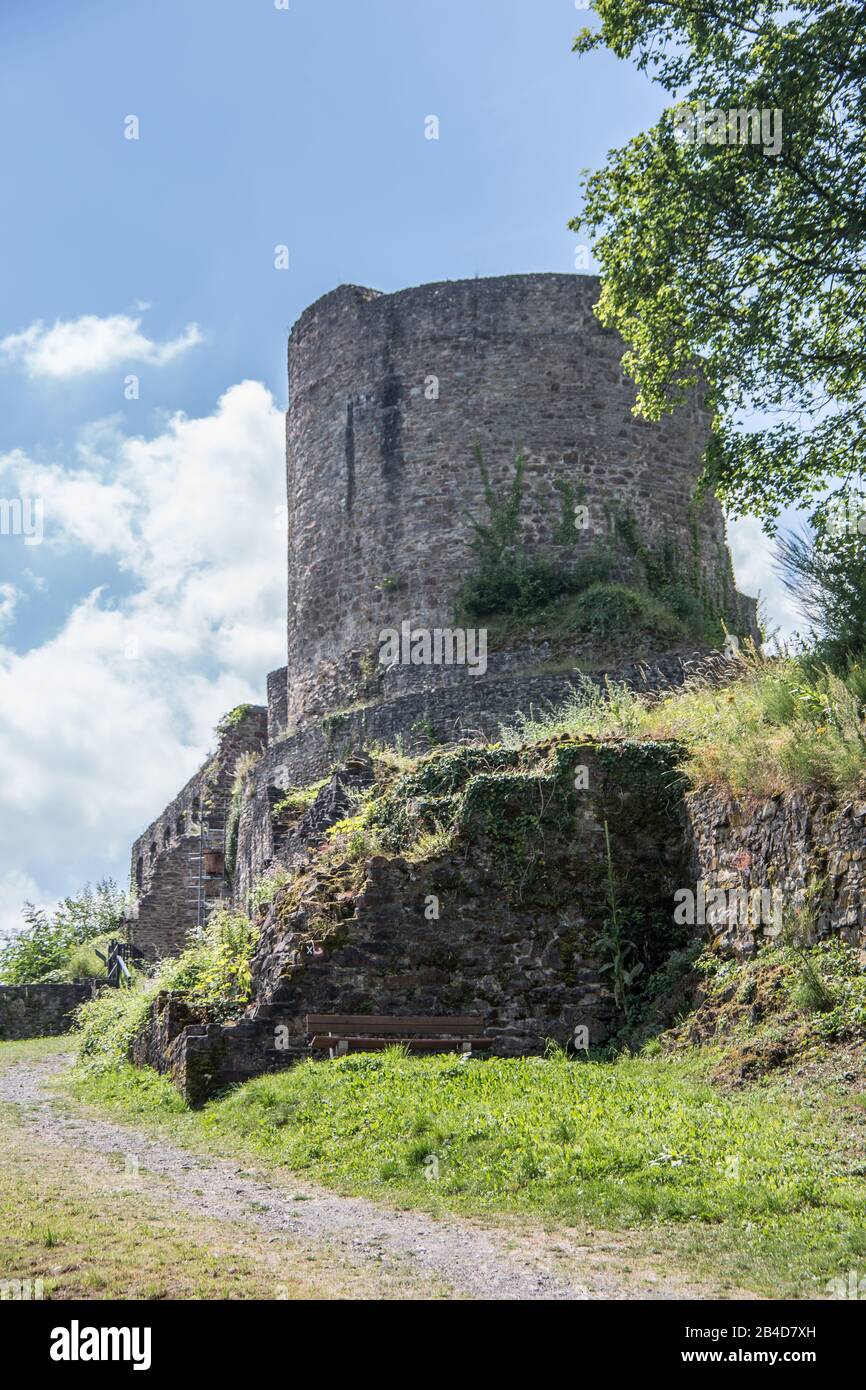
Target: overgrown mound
(787,1005)
(617,597)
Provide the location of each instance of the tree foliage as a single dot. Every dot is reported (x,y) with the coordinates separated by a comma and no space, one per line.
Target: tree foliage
(49,937)
(751,264)
(827,577)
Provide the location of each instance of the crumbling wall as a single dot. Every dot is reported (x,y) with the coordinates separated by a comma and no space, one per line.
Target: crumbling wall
(169,877)
(780,845)
(507,925)
(416,722)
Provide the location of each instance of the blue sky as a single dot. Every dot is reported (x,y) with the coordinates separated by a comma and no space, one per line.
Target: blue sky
(156,599)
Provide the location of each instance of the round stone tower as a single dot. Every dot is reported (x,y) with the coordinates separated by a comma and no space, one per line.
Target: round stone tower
(389,396)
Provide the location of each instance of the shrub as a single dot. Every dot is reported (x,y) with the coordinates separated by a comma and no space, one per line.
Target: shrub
(232,719)
(212,975)
(613,610)
(298,799)
(826,574)
(107,1024)
(265,889)
(512,584)
(52,938)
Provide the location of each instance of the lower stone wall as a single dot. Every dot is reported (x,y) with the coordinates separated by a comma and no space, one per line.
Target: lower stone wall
(507,926)
(460,711)
(202,1059)
(40,1011)
(360,680)
(779,846)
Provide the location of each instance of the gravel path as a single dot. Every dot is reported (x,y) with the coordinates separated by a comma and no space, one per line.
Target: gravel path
(467,1259)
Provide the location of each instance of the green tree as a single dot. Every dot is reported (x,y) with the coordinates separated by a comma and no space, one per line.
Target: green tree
(49,938)
(827,577)
(748,261)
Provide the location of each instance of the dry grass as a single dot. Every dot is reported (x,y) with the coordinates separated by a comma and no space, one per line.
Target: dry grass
(776,726)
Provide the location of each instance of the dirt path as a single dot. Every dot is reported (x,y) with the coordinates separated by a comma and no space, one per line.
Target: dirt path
(468,1259)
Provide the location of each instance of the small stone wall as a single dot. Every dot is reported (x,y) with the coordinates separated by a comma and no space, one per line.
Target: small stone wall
(781,844)
(40,1011)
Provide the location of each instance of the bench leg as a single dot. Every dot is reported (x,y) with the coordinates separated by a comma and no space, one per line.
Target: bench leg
(466,1047)
(342,1048)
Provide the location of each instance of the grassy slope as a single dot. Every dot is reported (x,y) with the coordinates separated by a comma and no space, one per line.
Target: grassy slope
(756,1190)
(779,726)
(760,1188)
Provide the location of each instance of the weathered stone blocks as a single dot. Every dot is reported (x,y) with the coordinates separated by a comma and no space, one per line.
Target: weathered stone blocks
(39,1011)
(389,394)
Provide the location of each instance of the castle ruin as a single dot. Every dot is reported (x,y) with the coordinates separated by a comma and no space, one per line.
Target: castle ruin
(407,413)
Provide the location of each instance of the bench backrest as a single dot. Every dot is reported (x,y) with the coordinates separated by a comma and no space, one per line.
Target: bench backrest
(370,1025)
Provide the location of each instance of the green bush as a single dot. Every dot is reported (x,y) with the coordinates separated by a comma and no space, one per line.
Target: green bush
(232,719)
(826,574)
(212,976)
(84,962)
(107,1024)
(511,584)
(213,973)
(50,943)
(614,610)
(298,799)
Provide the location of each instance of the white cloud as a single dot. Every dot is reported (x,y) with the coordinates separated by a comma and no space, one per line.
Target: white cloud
(104,723)
(754,566)
(16,888)
(9,596)
(88,344)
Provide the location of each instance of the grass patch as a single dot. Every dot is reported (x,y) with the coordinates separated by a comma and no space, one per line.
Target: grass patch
(770,1190)
(777,726)
(297,800)
(35,1049)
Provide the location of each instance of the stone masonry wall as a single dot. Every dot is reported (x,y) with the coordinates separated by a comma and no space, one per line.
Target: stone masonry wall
(531,970)
(167,861)
(40,1011)
(515,938)
(381,474)
(781,843)
(461,710)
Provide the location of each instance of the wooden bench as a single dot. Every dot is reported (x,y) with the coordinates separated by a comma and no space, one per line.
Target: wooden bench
(342,1033)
